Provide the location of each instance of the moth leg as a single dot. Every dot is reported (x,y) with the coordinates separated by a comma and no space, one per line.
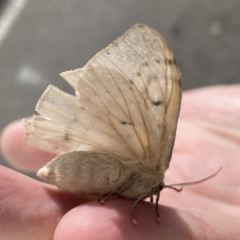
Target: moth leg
(103,200)
(156,204)
(134,207)
(151,198)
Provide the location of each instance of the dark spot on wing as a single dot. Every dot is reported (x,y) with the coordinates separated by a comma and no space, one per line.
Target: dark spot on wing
(170,61)
(126,123)
(108,53)
(179,82)
(146,64)
(131,82)
(157,61)
(66,137)
(157,103)
(138,74)
(158,167)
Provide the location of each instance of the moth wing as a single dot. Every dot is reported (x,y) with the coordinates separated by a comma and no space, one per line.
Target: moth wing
(86,172)
(127,102)
(66,125)
(137,82)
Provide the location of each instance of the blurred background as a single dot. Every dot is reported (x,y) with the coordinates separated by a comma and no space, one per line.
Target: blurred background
(40,39)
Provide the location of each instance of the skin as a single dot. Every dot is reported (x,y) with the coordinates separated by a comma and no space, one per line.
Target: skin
(208,137)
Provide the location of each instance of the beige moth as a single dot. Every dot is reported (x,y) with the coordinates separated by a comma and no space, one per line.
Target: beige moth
(115,136)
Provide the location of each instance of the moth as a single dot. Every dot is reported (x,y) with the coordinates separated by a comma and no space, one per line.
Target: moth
(115,136)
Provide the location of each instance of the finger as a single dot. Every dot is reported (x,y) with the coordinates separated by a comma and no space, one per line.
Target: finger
(27,213)
(21,156)
(112,221)
(212,103)
(30,209)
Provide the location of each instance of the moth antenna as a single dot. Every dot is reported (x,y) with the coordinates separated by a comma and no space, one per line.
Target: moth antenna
(172,186)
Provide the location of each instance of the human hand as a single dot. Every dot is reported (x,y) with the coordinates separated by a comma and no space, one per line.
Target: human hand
(208,137)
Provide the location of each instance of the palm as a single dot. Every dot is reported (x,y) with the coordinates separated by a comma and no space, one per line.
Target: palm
(208,137)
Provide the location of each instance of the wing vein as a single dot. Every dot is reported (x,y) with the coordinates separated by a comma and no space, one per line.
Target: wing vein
(125,78)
